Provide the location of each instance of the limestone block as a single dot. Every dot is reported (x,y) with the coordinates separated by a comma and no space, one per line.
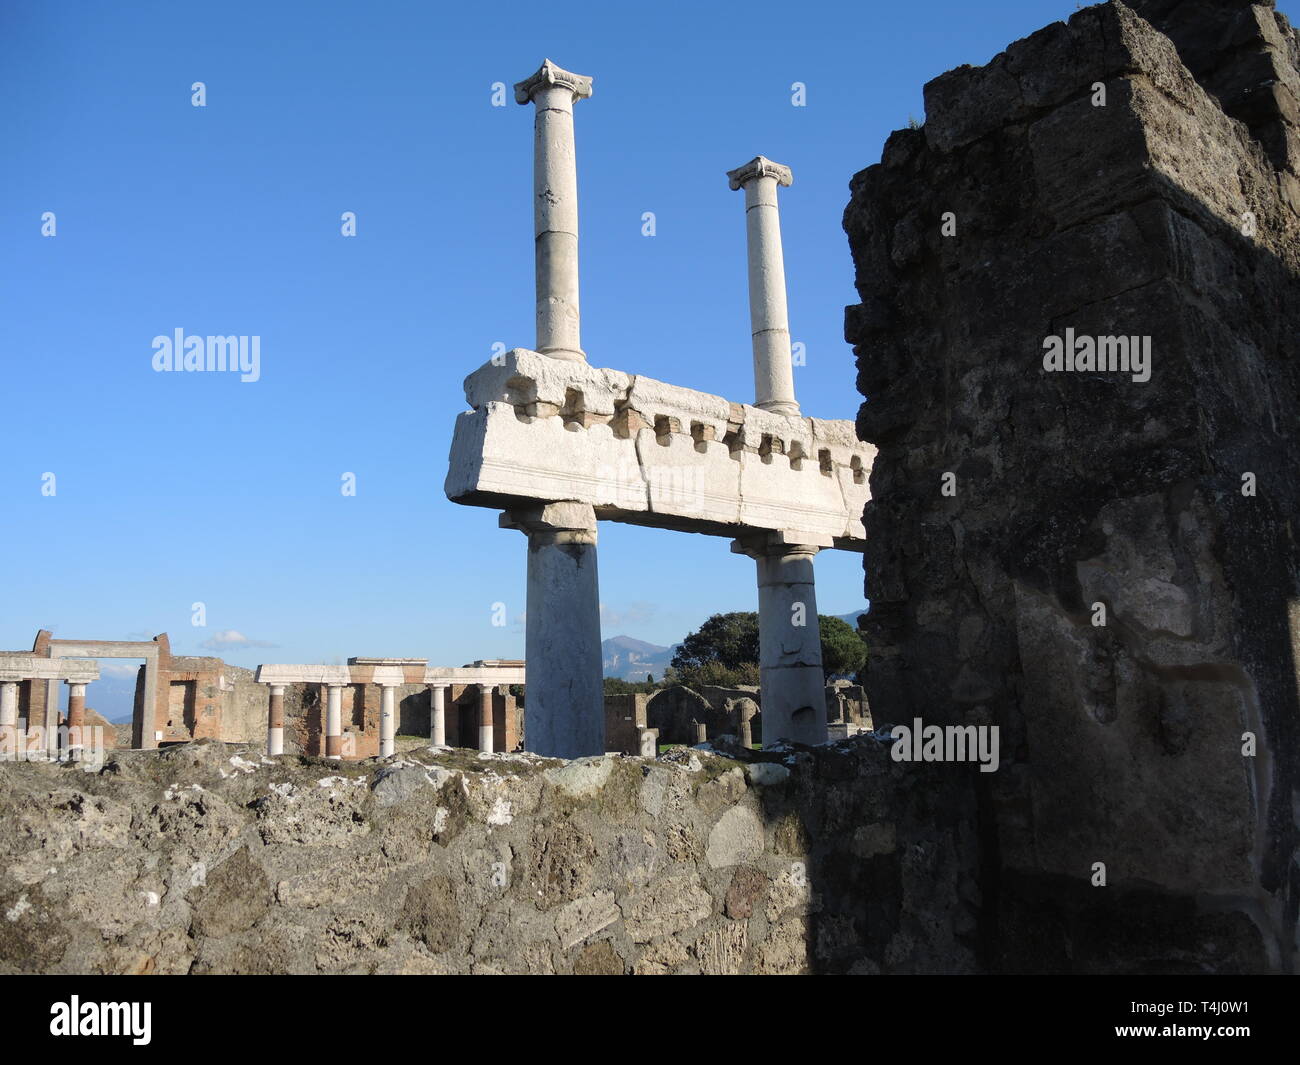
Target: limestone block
(736,838)
(670,905)
(584,917)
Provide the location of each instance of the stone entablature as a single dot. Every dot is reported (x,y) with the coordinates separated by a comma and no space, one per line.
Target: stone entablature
(649,453)
(360,671)
(19,667)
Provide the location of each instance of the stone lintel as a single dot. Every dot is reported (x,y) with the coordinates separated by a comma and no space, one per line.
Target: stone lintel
(759,167)
(648,453)
(548,75)
(302,674)
(34,667)
(493,675)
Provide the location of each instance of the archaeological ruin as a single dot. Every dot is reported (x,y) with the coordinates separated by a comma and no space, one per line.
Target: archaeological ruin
(350,711)
(558,445)
(1091,561)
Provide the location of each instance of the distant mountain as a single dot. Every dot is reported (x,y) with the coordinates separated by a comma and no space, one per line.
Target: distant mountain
(852,619)
(631,659)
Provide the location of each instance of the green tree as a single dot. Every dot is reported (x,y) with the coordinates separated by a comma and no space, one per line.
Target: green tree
(619,686)
(730,640)
(843,650)
(724,650)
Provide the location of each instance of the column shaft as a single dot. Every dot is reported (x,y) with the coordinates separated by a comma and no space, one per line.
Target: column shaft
(564,713)
(9,718)
(438,715)
(555,207)
(76,722)
(387,721)
(555,215)
(275,721)
(485,732)
(768,316)
(790,654)
(334,722)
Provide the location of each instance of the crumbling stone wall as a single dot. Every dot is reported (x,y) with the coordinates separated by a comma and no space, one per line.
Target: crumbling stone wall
(210,858)
(1167,207)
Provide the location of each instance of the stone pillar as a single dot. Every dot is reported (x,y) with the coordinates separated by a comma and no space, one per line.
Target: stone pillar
(9,718)
(789,640)
(76,713)
(701,732)
(768,318)
(334,722)
(275,721)
(387,721)
(555,207)
(564,712)
(438,714)
(746,733)
(485,737)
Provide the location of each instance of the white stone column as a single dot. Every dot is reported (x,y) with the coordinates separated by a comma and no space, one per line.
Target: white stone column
(9,718)
(275,721)
(564,711)
(485,735)
(387,721)
(555,207)
(789,640)
(334,722)
(768,318)
(438,714)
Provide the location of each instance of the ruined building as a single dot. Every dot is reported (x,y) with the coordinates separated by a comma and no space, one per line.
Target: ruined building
(349,711)
(1077,343)
(1112,576)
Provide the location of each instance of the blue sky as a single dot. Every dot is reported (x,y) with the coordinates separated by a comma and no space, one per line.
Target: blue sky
(174,489)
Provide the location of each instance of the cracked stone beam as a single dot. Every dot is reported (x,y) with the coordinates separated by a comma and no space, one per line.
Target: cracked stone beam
(768,317)
(555,207)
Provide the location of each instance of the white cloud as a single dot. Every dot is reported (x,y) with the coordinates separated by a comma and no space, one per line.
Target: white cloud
(232,639)
(118,669)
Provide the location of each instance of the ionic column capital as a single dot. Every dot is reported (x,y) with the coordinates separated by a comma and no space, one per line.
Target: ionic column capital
(759,167)
(550,76)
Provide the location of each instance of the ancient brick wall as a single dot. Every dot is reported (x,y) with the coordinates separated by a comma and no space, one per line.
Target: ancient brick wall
(1087,180)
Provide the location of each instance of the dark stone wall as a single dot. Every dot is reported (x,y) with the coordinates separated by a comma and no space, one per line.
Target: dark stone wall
(1171,212)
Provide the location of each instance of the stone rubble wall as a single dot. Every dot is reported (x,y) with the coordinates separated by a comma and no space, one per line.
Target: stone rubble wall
(210,858)
(1122,744)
